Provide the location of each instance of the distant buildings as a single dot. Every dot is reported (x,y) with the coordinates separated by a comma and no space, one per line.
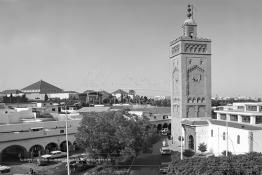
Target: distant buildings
(14,92)
(119,94)
(38,90)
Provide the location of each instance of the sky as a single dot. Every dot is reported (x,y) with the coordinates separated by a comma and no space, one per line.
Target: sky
(111,44)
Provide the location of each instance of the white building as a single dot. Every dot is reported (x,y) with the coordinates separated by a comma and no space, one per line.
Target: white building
(242,122)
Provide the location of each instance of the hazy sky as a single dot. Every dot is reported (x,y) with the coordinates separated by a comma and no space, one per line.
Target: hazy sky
(110,44)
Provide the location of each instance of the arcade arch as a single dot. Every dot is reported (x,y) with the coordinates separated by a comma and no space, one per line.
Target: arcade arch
(13,153)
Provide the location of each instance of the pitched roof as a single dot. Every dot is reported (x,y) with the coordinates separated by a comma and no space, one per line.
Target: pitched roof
(88,91)
(104,92)
(42,87)
(11,91)
(119,91)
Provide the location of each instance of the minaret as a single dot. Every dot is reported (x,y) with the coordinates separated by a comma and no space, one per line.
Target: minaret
(190,59)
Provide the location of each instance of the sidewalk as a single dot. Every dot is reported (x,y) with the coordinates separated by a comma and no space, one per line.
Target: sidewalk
(173,146)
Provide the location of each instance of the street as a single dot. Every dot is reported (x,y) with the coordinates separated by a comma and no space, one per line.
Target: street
(148,163)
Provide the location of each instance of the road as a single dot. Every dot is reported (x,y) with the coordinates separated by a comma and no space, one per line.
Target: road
(148,164)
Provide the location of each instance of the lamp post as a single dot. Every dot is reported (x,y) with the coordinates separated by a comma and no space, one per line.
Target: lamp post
(67,147)
(181,141)
(227,137)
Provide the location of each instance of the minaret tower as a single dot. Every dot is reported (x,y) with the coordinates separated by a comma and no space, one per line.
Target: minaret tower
(190,58)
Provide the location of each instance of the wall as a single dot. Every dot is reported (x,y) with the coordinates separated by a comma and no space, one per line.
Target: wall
(216,144)
(257,141)
(35,96)
(201,136)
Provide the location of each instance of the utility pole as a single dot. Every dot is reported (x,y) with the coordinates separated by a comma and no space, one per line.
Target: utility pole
(67,147)
(227,137)
(181,141)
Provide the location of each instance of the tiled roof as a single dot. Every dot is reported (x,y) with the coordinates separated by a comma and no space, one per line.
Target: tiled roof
(235,125)
(194,122)
(88,91)
(104,93)
(119,91)
(43,87)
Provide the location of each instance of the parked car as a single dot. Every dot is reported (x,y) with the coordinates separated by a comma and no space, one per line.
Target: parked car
(164,131)
(57,154)
(43,160)
(164,168)
(165,151)
(5,170)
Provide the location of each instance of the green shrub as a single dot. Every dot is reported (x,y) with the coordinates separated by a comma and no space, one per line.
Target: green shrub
(231,165)
(228,153)
(188,153)
(202,147)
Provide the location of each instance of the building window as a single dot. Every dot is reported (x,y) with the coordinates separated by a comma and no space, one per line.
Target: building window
(53,109)
(240,108)
(233,117)
(260,108)
(212,132)
(258,119)
(245,119)
(223,117)
(224,136)
(238,139)
(62,131)
(251,108)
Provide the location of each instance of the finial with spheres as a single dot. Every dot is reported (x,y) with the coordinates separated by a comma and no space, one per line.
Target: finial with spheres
(189,11)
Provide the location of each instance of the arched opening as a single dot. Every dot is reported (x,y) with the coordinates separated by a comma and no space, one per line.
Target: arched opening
(13,153)
(165,125)
(36,151)
(159,127)
(191,142)
(63,146)
(169,126)
(51,147)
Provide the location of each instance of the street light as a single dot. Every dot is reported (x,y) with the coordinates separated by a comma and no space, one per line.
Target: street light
(67,147)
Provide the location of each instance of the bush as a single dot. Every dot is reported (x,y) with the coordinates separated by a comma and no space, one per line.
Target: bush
(228,153)
(188,153)
(202,147)
(232,165)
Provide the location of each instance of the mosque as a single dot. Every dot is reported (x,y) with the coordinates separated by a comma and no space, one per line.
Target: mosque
(236,128)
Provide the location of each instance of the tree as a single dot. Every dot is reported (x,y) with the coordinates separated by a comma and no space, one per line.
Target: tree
(112,133)
(46,97)
(202,147)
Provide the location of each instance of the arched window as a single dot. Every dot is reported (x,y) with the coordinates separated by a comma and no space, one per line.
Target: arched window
(238,139)
(224,136)
(212,132)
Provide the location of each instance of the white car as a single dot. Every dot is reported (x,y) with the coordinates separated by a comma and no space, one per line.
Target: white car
(57,154)
(165,151)
(164,168)
(6,170)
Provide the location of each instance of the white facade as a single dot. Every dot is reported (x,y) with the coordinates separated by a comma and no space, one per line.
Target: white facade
(242,122)
(217,140)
